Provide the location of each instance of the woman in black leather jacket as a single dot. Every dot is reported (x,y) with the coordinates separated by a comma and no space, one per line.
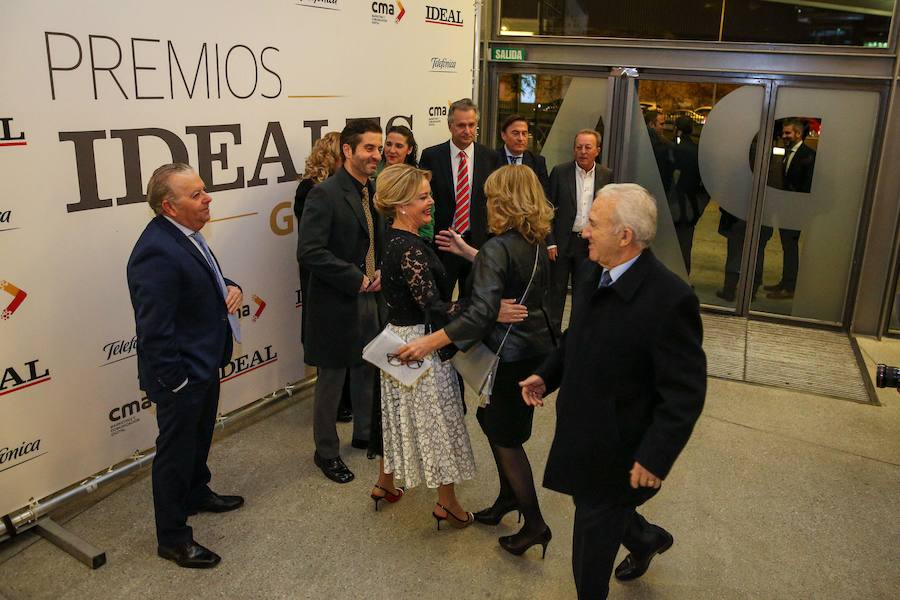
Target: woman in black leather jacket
(519,217)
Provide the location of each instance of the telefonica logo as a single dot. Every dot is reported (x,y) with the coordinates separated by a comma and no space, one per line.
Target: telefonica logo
(442,65)
(117,350)
(13,456)
(326,4)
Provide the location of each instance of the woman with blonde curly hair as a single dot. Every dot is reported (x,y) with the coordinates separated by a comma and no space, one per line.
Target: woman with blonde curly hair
(519,217)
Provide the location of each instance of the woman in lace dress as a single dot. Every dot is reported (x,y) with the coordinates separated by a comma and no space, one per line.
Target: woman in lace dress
(519,217)
(424,433)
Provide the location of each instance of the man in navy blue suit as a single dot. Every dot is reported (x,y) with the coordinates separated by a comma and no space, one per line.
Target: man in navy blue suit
(185,316)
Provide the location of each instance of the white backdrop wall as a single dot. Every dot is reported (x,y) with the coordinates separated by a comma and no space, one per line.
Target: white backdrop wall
(95,96)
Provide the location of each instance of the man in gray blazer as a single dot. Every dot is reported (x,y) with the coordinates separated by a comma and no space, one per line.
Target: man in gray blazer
(573,186)
(340,244)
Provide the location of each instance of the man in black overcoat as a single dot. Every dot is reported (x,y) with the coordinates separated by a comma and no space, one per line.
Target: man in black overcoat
(572,188)
(631,375)
(340,242)
(459,167)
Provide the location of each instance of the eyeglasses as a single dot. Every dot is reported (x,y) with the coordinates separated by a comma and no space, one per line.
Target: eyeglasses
(394,360)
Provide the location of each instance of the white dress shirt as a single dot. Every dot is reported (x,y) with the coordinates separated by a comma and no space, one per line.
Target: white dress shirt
(619,270)
(584,196)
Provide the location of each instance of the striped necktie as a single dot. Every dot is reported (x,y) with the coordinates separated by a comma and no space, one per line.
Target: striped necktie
(463,189)
(605,279)
(232,319)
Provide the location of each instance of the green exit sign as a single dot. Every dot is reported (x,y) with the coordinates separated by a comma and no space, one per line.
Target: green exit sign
(510,54)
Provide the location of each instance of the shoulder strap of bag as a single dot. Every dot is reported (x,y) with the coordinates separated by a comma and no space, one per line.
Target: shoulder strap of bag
(522,299)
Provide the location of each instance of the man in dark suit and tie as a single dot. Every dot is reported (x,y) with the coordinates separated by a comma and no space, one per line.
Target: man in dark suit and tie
(572,189)
(514,151)
(340,241)
(631,375)
(798,164)
(459,168)
(185,317)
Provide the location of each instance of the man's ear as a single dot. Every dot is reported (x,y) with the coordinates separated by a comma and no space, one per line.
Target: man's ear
(627,237)
(168,208)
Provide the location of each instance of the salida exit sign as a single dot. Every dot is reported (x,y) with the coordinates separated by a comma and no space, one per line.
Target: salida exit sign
(510,54)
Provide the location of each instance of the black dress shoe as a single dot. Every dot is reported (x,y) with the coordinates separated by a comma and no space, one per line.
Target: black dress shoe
(334,468)
(190,555)
(360,444)
(345,415)
(727,295)
(635,566)
(217,504)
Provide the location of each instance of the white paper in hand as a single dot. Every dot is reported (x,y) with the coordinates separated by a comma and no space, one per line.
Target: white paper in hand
(385,343)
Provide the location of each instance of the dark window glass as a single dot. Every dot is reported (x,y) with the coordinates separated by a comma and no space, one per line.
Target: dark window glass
(827,22)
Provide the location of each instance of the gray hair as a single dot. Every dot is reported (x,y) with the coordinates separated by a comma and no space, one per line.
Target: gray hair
(635,209)
(158,188)
(463,104)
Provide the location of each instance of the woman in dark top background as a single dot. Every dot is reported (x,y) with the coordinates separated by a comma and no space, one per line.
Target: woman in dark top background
(519,216)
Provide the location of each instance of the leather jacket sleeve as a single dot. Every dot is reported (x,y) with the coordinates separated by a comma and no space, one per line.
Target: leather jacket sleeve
(488,281)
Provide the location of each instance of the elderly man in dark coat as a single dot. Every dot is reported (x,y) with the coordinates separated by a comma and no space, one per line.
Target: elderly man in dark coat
(631,374)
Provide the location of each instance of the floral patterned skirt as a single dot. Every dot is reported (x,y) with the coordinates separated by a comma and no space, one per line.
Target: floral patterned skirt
(424,429)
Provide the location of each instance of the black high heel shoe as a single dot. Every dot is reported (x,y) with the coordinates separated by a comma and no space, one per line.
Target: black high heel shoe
(454,521)
(513,545)
(494,514)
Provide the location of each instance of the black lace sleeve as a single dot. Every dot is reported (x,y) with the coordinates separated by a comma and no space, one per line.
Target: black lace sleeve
(424,290)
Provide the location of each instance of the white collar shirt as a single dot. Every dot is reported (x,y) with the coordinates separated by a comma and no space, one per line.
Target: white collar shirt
(791,154)
(584,196)
(470,162)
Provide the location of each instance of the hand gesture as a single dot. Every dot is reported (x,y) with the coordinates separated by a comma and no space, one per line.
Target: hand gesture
(450,241)
(641,477)
(235,298)
(533,390)
(510,312)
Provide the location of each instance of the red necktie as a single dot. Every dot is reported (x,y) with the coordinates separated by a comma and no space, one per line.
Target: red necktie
(461,218)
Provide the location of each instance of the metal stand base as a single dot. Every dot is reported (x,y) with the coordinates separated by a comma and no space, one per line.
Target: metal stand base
(53,532)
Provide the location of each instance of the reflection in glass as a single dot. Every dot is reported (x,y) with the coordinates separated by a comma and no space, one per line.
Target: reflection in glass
(693,152)
(813,197)
(825,22)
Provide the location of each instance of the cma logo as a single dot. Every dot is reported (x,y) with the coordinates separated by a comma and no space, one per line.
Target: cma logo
(132,408)
(15,379)
(437,111)
(255,311)
(381,10)
(443,16)
(10,137)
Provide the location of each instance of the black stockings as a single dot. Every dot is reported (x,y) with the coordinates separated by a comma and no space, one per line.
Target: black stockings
(517,485)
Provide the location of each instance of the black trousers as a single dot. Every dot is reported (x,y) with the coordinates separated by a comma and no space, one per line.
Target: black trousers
(603,523)
(180,475)
(562,269)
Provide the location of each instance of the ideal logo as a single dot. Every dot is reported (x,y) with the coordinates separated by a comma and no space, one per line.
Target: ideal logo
(18,297)
(246,363)
(438,15)
(18,378)
(245,311)
(122,417)
(9,455)
(9,137)
(119,350)
(382,12)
